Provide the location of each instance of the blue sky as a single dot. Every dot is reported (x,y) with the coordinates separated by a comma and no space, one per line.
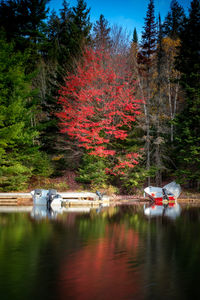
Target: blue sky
(126,13)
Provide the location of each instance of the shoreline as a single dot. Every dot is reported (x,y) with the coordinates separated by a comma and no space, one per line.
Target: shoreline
(25,199)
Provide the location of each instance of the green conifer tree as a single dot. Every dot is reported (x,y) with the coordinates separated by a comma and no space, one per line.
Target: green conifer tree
(101,33)
(19,152)
(80,27)
(135,36)
(146,61)
(188,121)
(174,20)
(149,35)
(23,23)
(68,32)
(9,21)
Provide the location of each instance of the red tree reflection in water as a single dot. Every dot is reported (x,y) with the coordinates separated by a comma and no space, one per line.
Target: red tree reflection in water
(102,269)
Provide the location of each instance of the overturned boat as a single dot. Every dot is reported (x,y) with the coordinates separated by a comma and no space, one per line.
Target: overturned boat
(168,193)
(48,198)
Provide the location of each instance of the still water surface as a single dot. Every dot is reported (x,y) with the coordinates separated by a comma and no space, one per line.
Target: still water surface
(115,253)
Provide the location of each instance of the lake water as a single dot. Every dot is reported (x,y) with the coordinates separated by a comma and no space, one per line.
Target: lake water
(114,253)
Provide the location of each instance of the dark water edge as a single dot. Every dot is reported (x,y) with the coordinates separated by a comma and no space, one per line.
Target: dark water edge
(115,253)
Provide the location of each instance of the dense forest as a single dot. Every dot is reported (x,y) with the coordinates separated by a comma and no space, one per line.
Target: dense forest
(116,111)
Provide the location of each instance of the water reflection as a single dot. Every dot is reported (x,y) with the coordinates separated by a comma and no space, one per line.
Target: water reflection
(115,253)
(40,212)
(102,269)
(170,210)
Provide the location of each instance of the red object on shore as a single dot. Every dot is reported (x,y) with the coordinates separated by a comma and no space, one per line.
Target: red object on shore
(169,193)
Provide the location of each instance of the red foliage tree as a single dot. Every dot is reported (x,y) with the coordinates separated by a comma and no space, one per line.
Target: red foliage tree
(99,107)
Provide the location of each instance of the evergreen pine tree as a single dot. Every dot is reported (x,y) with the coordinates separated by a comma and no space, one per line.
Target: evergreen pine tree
(59,37)
(53,37)
(159,145)
(80,27)
(159,46)
(135,36)
(174,20)
(19,155)
(57,62)
(149,36)
(9,20)
(146,61)
(101,33)
(67,35)
(23,23)
(188,121)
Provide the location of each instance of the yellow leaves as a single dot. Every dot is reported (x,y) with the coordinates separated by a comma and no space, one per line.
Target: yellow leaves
(171,42)
(170,47)
(57,157)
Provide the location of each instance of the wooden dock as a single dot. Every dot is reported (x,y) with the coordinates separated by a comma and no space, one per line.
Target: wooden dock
(71,199)
(12,199)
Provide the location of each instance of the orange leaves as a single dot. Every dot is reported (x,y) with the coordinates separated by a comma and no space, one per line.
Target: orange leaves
(124,163)
(102,152)
(98,104)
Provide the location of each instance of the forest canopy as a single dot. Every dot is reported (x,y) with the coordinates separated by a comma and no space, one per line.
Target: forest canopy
(88,99)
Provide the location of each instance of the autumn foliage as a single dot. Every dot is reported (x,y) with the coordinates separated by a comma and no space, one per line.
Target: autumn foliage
(99,107)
